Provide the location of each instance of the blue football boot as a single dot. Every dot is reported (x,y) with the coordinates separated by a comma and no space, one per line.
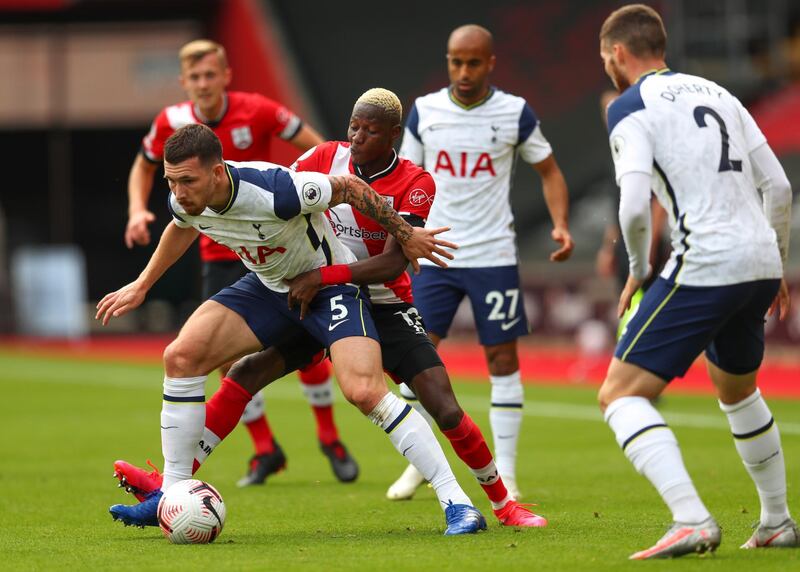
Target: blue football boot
(463,519)
(142,514)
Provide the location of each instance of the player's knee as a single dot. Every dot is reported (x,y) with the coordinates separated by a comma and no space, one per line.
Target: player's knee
(614,388)
(448,416)
(603,397)
(363,393)
(253,372)
(182,360)
(730,394)
(502,360)
(436,395)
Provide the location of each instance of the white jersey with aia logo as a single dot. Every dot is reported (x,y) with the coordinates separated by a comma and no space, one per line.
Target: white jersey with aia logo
(274,221)
(694,139)
(470,151)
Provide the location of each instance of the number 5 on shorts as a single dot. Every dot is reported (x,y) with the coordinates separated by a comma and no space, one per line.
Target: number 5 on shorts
(338,311)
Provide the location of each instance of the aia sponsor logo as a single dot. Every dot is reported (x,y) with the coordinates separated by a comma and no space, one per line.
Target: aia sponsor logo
(260,255)
(462,166)
(419,197)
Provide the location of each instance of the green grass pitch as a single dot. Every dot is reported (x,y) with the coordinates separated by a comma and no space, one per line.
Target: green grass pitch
(65,422)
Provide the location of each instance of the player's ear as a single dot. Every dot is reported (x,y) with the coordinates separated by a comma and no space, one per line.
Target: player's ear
(620,53)
(492,61)
(396,131)
(228,76)
(218,170)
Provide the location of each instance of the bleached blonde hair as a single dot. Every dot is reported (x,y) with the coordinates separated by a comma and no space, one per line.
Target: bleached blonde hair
(198,49)
(385,100)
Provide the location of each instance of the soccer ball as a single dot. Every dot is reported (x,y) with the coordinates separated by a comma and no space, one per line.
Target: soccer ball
(191,512)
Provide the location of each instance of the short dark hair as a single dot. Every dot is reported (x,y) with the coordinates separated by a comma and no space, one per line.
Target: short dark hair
(639,28)
(194,140)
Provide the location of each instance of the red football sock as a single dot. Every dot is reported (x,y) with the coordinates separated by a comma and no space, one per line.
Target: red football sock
(470,446)
(310,376)
(261,434)
(224,410)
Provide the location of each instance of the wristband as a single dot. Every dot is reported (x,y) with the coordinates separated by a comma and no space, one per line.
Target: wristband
(336,274)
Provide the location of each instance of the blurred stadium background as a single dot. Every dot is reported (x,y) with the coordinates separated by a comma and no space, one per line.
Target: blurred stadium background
(83,79)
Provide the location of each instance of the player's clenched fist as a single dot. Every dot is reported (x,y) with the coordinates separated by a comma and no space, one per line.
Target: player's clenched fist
(561,236)
(137,232)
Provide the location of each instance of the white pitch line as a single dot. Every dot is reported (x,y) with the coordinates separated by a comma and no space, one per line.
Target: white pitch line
(558,410)
(288,390)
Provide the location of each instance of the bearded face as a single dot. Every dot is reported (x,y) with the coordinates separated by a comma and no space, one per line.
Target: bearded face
(613,69)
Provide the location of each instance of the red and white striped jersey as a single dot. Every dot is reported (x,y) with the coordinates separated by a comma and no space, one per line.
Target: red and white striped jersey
(407,187)
(248,124)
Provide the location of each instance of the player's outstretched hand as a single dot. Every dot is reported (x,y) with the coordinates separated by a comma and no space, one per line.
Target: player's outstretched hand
(136,232)
(631,286)
(782,302)
(120,302)
(303,288)
(424,244)
(563,237)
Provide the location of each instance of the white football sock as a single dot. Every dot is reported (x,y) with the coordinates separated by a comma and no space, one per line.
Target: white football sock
(652,448)
(208,442)
(758,442)
(413,439)
(412,400)
(319,394)
(505,418)
(183,415)
(254,409)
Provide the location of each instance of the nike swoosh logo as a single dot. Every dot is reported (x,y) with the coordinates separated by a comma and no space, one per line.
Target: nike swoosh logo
(769,540)
(205,227)
(170,427)
(504,436)
(207,503)
(407,449)
(332,327)
(509,325)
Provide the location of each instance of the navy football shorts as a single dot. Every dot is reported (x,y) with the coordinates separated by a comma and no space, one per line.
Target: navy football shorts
(406,349)
(336,312)
(494,292)
(675,323)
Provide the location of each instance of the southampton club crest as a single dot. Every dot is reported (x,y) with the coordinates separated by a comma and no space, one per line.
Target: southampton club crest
(242,137)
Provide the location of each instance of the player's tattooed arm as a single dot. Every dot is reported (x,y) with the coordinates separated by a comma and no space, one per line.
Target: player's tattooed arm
(358,194)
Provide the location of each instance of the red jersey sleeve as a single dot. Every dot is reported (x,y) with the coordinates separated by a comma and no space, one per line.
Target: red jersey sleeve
(418,198)
(278,119)
(317,159)
(153,142)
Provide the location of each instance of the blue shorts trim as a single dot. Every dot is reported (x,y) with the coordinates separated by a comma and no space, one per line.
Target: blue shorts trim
(494,293)
(675,323)
(336,312)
